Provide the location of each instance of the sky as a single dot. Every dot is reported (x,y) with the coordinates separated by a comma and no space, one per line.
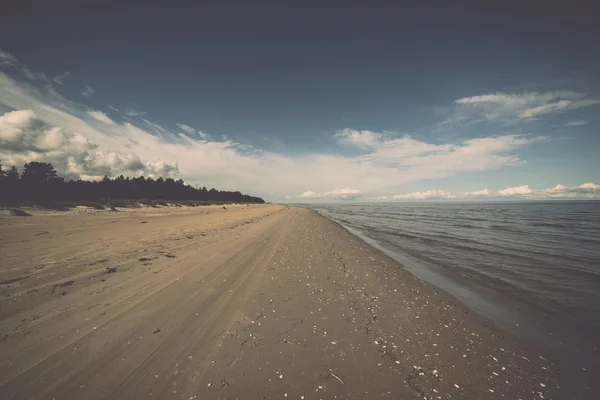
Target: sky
(310,101)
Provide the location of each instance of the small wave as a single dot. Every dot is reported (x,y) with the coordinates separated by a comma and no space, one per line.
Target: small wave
(549,225)
(466,226)
(506,228)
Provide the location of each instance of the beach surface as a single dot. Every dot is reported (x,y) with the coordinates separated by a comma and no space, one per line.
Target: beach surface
(243,302)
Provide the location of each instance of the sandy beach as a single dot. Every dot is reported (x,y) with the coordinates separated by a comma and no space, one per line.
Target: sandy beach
(247,302)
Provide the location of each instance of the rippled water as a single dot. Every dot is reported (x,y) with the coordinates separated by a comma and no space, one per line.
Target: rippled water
(513,262)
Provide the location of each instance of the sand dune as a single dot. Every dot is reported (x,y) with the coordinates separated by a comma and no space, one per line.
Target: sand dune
(247,302)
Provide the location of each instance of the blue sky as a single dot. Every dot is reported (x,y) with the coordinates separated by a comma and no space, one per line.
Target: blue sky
(312,102)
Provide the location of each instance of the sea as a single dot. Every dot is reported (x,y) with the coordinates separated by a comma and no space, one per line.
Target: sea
(532,268)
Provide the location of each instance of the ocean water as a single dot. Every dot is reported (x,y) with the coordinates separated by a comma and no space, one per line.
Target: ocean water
(533,268)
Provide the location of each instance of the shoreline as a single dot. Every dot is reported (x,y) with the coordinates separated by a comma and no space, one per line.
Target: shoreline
(253,301)
(521,319)
(482,299)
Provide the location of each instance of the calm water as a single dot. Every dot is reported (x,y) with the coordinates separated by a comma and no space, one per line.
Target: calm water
(533,268)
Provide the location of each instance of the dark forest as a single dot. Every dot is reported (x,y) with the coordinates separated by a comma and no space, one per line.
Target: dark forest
(39,184)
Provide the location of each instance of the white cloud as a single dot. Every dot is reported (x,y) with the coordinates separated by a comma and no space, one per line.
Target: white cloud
(589,186)
(517,190)
(576,123)
(11,123)
(87,91)
(25,138)
(337,194)
(555,189)
(102,117)
(342,193)
(427,195)
(60,79)
(364,139)
(483,192)
(310,195)
(584,191)
(510,108)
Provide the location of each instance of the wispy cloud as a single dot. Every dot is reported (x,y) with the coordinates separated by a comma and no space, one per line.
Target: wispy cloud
(510,108)
(87,91)
(133,113)
(35,76)
(188,129)
(576,123)
(7,59)
(60,79)
(102,117)
(154,125)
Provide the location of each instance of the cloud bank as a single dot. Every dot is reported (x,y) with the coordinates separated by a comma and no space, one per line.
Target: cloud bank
(85,142)
(336,194)
(525,192)
(385,161)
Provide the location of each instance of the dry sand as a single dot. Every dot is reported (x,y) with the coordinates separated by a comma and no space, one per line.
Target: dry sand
(251,302)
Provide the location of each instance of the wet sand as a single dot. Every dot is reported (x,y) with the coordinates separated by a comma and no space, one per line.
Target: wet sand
(248,302)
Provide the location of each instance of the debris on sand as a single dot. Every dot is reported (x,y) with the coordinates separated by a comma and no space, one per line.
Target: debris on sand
(9,281)
(144,222)
(224,208)
(336,377)
(157,330)
(64,284)
(111,270)
(102,261)
(149,258)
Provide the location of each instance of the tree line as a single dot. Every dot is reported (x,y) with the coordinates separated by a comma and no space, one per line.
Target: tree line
(39,183)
